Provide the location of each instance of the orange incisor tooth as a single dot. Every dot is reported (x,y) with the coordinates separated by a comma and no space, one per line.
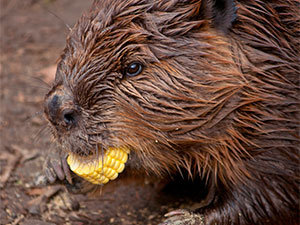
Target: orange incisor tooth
(113,161)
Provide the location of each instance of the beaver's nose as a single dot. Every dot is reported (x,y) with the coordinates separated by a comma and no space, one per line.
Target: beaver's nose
(58,112)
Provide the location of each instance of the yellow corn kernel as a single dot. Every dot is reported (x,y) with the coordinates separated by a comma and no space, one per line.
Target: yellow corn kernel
(113,162)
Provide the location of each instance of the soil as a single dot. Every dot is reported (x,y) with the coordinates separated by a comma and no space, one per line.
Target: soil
(33,34)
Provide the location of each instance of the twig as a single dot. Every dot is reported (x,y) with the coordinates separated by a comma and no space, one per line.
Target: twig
(12,161)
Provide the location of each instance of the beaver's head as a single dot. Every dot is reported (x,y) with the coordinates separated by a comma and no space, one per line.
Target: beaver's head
(155,76)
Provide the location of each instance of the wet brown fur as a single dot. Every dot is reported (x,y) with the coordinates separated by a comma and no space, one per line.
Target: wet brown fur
(221,105)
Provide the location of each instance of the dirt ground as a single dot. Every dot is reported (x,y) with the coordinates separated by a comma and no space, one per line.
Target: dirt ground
(32,35)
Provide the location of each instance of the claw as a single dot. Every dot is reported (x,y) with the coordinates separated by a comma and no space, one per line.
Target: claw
(183,217)
(56,168)
(56,165)
(66,169)
(177,212)
(50,174)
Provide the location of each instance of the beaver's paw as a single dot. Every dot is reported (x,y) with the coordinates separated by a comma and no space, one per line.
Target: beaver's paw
(56,168)
(183,217)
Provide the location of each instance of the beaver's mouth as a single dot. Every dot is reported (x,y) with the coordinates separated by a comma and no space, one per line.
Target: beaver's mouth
(101,170)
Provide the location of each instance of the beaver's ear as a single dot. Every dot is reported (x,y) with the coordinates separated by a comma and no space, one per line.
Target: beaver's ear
(221,12)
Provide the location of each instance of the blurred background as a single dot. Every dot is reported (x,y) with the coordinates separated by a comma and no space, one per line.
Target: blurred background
(32,36)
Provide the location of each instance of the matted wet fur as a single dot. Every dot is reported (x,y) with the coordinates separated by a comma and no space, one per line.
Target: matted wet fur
(216,97)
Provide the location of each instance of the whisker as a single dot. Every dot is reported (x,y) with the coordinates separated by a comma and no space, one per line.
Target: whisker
(97,153)
(102,156)
(43,84)
(41,131)
(57,17)
(36,114)
(53,145)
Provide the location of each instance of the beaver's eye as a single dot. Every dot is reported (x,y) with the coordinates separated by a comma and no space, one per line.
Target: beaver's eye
(134,69)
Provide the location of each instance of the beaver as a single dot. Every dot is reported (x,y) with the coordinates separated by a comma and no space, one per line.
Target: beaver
(207,88)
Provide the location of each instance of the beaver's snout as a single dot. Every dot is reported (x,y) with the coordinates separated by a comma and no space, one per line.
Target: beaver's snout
(60,111)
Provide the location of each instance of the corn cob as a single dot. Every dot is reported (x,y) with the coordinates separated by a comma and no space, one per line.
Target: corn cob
(106,168)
